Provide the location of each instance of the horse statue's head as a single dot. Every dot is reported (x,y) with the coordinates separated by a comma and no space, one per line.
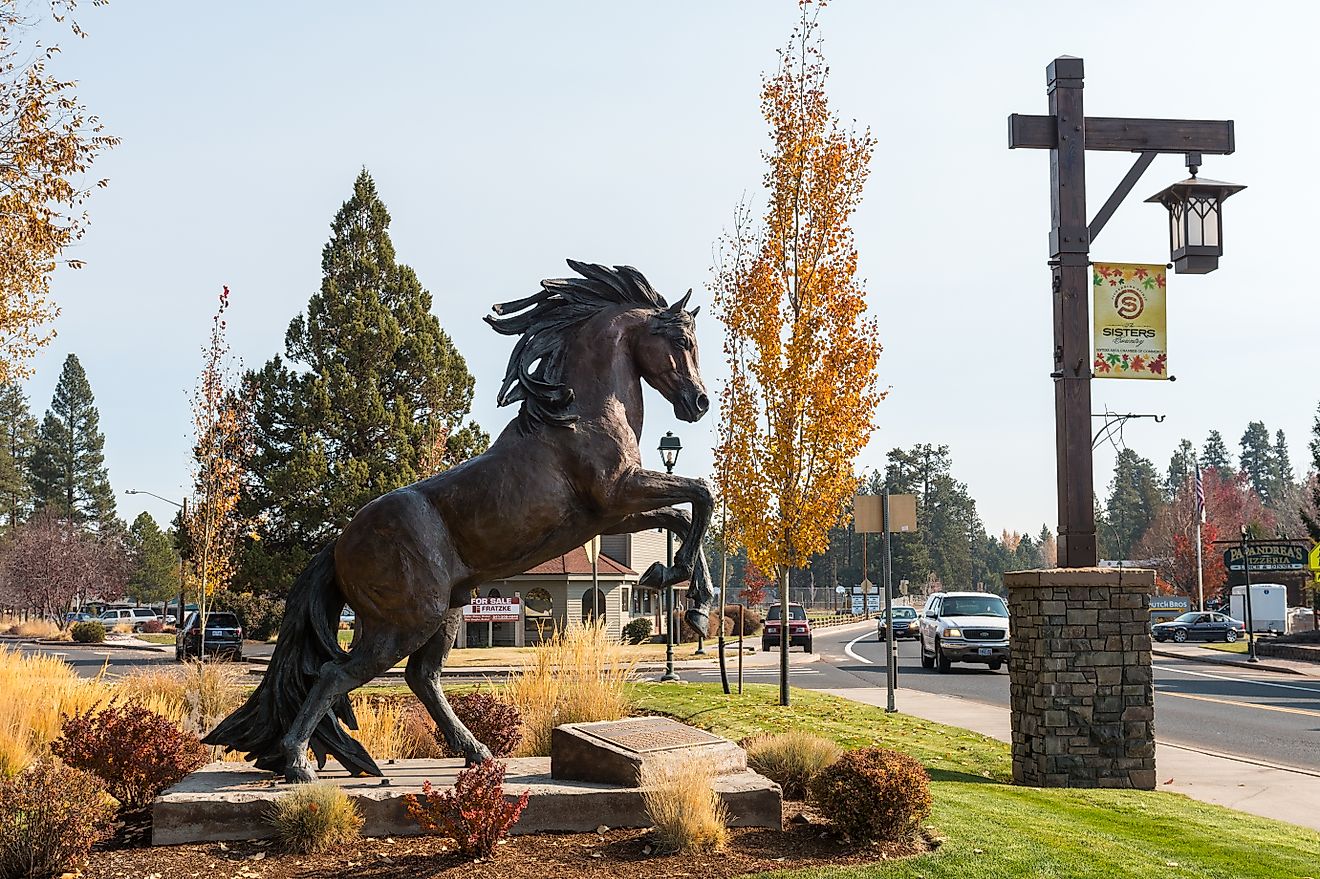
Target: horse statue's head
(664,349)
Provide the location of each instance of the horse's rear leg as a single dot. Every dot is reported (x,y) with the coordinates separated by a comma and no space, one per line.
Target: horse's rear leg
(423,676)
(374,654)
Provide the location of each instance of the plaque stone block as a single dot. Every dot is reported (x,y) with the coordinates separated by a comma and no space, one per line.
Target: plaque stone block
(615,751)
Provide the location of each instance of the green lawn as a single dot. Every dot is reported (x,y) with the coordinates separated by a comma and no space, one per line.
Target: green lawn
(155,637)
(994,829)
(1226,647)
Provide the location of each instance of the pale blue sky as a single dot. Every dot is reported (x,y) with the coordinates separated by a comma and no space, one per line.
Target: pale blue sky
(505,137)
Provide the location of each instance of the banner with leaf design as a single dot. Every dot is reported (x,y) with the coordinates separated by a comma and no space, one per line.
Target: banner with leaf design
(1129,321)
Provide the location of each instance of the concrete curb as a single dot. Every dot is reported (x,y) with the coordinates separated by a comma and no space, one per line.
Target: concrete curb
(1239,663)
(113,645)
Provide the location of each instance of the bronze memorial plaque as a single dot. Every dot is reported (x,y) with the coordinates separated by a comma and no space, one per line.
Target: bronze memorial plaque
(647,734)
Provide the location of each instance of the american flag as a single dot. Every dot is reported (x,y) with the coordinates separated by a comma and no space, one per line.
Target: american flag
(1200,495)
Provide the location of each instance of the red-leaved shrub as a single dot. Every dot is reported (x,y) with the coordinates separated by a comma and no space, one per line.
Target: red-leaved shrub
(475,814)
(135,751)
(50,817)
(496,724)
(874,793)
(153,627)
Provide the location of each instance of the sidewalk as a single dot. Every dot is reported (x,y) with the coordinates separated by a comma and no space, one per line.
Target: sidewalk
(1195,653)
(1260,789)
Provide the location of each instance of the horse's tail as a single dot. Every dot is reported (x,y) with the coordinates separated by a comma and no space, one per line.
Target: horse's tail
(309,638)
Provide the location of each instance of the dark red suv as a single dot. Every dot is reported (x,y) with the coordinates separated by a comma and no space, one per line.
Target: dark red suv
(799,628)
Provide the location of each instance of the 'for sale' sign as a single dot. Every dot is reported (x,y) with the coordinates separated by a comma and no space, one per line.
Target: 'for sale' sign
(493,610)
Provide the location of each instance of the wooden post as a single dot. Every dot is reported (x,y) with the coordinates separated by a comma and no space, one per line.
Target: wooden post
(1070,262)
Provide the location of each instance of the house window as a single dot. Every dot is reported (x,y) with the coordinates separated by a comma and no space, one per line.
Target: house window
(593,605)
(624,599)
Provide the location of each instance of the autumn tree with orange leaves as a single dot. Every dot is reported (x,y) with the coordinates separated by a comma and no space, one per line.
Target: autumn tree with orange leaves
(797,408)
(48,142)
(220,449)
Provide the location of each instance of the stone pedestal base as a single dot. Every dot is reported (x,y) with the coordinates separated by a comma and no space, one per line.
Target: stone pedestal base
(1080,677)
(616,751)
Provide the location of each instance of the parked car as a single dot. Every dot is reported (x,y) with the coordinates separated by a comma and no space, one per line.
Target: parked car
(799,628)
(76,616)
(1199,626)
(964,627)
(905,624)
(223,637)
(133,616)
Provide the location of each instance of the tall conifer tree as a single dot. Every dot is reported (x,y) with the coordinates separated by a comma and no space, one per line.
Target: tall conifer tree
(1215,454)
(18,436)
(1257,461)
(1312,516)
(155,565)
(1134,499)
(68,463)
(368,385)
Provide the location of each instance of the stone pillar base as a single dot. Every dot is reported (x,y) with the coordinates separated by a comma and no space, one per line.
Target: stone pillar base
(1080,677)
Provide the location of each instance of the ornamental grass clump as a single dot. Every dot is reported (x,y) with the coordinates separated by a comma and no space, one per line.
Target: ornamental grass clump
(874,794)
(315,818)
(136,752)
(792,759)
(36,692)
(196,695)
(50,817)
(681,801)
(577,676)
(475,813)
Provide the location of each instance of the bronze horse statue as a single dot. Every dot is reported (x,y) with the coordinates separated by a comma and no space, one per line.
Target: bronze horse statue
(567,468)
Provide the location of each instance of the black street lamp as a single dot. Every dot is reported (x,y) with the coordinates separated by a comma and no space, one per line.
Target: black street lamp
(670,446)
(1196,221)
(183,523)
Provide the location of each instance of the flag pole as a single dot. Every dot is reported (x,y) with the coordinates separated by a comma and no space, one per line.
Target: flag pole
(1200,520)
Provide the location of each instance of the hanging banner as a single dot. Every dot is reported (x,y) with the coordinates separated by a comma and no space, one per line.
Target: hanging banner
(1129,320)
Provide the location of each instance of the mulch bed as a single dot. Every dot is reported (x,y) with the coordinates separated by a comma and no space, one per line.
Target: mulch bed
(614,854)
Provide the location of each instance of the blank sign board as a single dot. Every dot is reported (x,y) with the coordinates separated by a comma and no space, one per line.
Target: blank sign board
(902,513)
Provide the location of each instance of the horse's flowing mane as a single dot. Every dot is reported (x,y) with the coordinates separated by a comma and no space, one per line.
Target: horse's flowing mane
(547,321)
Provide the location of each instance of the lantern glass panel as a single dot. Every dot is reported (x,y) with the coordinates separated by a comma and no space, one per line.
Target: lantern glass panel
(1176,237)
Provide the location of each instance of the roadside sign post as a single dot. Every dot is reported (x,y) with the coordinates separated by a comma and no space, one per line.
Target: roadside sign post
(891,654)
(1246,573)
(887,514)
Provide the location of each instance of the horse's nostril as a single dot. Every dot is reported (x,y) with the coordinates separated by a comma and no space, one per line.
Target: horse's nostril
(703,402)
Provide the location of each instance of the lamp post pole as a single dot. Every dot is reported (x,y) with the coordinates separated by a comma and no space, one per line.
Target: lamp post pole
(1068,133)
(670,446)
(183,523)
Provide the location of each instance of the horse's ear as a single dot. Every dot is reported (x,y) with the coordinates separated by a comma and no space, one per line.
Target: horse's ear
(694,312)
(678,306)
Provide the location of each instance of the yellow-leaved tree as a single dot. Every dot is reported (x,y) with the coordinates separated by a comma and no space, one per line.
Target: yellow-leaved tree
(798,406)
(222,438)
(48,141)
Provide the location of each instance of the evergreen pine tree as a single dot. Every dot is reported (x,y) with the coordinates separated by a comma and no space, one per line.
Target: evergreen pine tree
(1134,499)
(1215,454)
(1181,467)
(1282,464)
(18,436)
(68,463)
(1257,461)
(1312,516)
(368,384)
(155,572)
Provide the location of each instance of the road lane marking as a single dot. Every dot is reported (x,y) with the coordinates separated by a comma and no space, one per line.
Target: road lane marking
(848,648)
(1201,674)
(1262,707)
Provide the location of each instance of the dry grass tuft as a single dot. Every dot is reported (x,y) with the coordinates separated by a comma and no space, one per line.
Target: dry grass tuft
(577,676)
(383,728)
(197,695)
(36,692)
(791,758)
(44,629)
(680,800)
(315,818)
(122,628)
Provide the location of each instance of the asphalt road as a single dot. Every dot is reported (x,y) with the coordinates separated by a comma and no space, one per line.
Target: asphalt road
(1265,716)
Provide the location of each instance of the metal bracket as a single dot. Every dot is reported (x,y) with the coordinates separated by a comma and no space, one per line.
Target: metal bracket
(1120,192)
